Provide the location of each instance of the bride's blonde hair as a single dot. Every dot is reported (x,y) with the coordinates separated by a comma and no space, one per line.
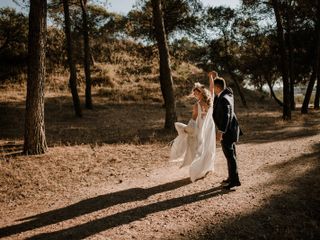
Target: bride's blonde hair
(206,95)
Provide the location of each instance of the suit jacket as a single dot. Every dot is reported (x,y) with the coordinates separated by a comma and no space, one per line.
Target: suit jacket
(225,117)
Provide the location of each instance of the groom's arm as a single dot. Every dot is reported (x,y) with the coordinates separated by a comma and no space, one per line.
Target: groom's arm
(225,115)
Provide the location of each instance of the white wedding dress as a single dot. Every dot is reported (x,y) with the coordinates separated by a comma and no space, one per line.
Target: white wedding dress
(195,144)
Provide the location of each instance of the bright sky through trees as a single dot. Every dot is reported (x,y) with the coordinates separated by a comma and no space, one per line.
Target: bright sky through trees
(124,6)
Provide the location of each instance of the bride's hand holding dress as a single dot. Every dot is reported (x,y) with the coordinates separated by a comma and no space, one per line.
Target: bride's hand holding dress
(195,143)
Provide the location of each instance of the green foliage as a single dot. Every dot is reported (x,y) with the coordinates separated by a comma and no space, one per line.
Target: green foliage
(103,27)
(224,49)
(185,50)
(100,21)
(245,41)
(180,16)
(55,49)
(13,42)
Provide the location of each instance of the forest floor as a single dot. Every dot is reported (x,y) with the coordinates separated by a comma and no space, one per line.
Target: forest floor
(107,176)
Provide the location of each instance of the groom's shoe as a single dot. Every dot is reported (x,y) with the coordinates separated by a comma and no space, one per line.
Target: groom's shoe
(226,181)
(232,184)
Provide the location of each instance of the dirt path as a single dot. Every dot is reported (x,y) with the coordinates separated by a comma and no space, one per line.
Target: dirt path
(157,201)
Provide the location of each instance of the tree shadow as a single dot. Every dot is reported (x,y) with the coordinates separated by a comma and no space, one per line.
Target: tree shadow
(104,201)
(106,123)
(143,122)
(10,149)
(93,227)
(11,120)
(294,214)
(267,126)
(89,206)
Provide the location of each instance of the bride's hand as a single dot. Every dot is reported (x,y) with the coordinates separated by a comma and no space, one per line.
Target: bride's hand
(212,74)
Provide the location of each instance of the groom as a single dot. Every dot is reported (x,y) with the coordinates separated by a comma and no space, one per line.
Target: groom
(227,125)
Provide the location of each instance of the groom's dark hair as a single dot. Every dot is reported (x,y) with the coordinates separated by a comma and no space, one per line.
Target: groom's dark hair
(219,82)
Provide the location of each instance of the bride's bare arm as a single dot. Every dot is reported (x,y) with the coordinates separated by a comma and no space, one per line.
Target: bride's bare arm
(212,75)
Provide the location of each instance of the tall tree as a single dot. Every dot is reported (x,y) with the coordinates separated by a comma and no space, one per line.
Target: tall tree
(165,69)
(284,61)
(316,62)
(222,19)
(297,20)
(72,66)
(289,22)
(34,136)
(87,55)
(178,16)
(317,96)
(273,95)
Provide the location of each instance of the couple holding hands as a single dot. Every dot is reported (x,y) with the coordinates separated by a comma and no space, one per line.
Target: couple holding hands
(213,120)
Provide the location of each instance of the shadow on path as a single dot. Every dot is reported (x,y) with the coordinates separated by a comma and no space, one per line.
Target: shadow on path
(142,122)
(89,206)
(264,127)
(106,123)
(90,228)
(10,149)
(293,214)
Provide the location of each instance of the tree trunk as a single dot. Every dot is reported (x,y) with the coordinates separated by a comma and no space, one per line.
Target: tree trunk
(72,66)
(165,70)
(284,63)
(87,55)
(273,95)
(315,67)
(92,61)
(317,97)
(238,87)
(290,55)
(229,69)
(292,100)
(307,97)
(34,135)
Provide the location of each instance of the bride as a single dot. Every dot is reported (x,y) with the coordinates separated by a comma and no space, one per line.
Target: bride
(195,144)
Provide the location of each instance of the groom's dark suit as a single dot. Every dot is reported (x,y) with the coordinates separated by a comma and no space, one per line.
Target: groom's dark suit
(227,123)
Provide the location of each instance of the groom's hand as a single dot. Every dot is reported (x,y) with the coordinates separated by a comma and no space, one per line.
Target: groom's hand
(219,136)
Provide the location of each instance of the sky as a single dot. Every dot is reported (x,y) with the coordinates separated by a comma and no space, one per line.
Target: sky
(124,6)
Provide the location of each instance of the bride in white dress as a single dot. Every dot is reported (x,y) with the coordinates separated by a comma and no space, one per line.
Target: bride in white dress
(195,144)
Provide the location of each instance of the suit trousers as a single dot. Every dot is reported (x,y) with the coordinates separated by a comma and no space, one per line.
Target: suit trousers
(229,150)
